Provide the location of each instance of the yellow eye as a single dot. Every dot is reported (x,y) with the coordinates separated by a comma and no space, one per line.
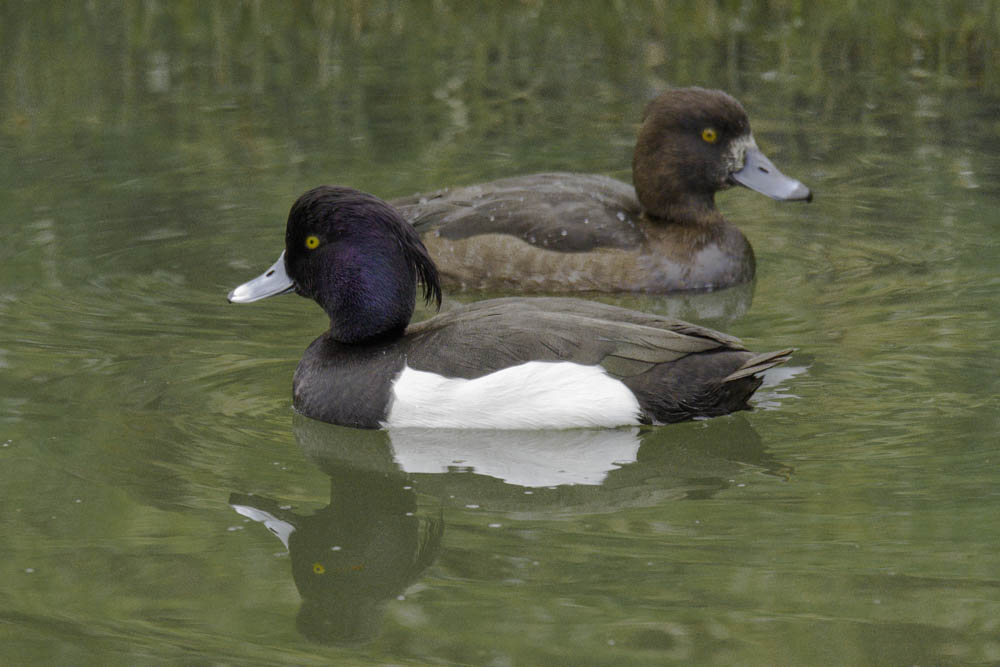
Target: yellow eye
(312,242)
(709,135)
(318,567)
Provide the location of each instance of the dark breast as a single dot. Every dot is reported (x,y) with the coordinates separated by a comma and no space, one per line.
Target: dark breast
(346,384)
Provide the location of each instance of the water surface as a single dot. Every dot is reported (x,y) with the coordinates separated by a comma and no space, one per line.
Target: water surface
(161,503)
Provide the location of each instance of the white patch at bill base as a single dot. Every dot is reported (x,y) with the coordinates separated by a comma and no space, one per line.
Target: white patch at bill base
(533,395)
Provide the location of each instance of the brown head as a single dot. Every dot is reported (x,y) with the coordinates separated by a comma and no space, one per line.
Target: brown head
(693,143)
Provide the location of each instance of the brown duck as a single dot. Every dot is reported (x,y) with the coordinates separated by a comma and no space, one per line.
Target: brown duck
(568,232)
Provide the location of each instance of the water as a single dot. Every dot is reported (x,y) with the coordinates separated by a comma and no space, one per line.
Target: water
(151,462)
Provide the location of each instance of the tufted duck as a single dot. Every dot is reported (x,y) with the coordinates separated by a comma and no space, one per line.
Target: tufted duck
(519,362)
(567,232)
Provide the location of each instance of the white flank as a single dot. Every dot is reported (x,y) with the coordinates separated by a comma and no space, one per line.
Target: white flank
(534,395)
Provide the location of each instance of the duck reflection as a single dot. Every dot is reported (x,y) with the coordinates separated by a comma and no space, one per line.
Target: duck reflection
(571,471)
(364,548)
(370,543)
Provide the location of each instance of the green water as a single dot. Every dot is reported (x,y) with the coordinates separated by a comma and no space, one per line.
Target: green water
(148,156)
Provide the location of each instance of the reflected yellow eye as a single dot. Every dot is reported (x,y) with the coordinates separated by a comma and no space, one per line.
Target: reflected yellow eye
(710,135)
(312,242)
(318,567)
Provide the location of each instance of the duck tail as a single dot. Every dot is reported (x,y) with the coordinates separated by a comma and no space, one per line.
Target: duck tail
(759,363)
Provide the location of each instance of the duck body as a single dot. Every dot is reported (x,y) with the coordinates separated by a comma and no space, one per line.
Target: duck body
(530,363)
(569,232)
(517,362)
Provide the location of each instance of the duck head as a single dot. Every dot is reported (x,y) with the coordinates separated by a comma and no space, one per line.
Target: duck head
(694,142)
(356,257)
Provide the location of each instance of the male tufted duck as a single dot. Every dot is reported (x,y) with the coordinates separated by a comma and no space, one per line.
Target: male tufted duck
(567,232)
(519,362)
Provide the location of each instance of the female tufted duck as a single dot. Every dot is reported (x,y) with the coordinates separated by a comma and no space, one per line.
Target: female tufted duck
(504,363)
(565,232)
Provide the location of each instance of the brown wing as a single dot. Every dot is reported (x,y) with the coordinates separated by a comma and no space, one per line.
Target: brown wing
(557,211)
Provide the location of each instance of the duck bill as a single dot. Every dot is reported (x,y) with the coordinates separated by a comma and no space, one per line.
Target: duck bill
(272,282)
(760,174)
